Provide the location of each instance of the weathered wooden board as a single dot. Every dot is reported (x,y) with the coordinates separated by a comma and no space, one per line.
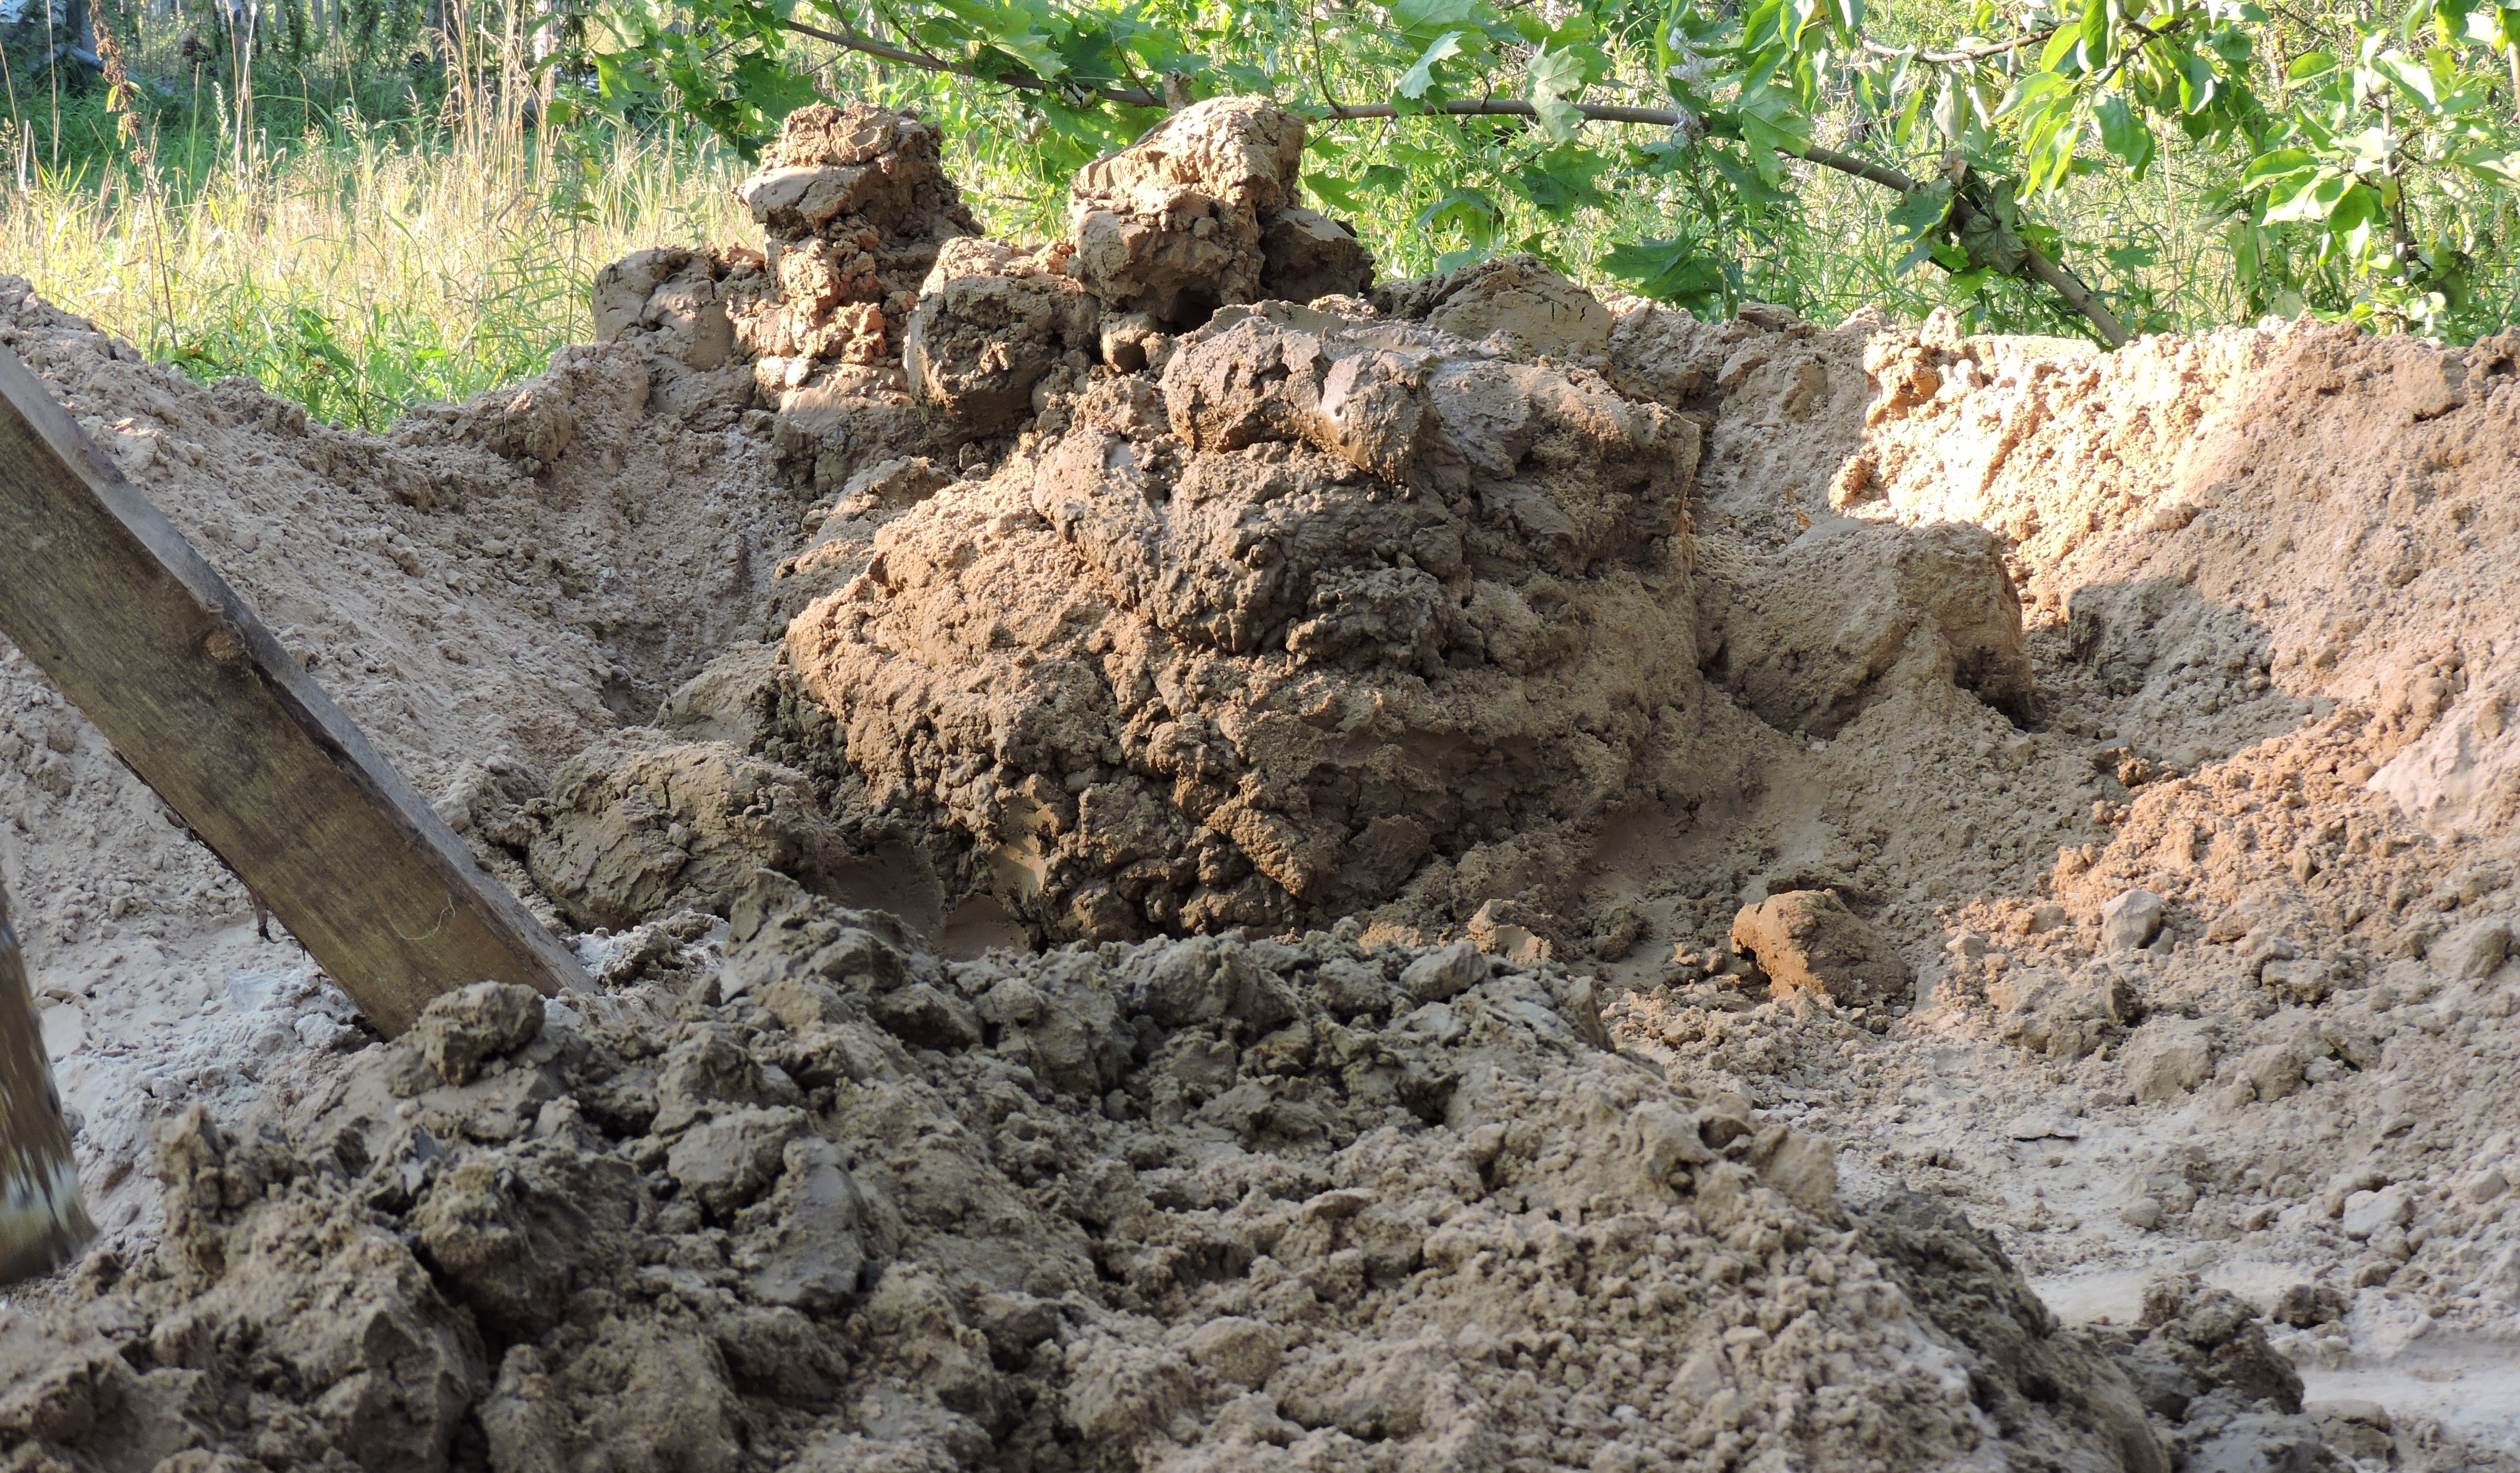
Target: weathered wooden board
(102,592)
(42,1222)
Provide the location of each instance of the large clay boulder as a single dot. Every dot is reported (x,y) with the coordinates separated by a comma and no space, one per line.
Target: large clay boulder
(1200,213)
(1808,941)
(992,322)
(1250,644)
(1852,612)
(854,204)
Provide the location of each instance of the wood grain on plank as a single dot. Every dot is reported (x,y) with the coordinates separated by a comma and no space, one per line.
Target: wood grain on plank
(101,592)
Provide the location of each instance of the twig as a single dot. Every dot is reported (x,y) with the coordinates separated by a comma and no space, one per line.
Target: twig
(1129,97)
(1322,73)
(1964,53)
(2055,278)
(2149,35)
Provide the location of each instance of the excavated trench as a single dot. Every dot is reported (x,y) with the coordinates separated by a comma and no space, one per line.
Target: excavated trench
(1193,862)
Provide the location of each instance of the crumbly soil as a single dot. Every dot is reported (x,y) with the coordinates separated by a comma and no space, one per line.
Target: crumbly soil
(1191,915)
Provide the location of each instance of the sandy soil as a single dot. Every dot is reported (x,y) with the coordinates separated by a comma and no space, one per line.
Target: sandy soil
(1463,663)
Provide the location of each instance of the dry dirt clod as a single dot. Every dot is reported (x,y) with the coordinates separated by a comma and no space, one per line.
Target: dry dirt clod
(1171,226)
(1807,940)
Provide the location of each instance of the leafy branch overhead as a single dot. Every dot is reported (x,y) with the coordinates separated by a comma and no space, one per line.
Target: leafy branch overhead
(2356,161)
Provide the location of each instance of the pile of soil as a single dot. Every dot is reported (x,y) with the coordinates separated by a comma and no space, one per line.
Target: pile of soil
(1187,1203)
(1456,873)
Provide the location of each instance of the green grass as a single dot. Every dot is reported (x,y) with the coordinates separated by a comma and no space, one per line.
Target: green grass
(358,270)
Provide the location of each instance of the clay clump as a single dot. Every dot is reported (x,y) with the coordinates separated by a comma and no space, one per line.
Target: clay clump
(991,324)
(1251,644)
(855,205)
(1200,213)
(1809,940)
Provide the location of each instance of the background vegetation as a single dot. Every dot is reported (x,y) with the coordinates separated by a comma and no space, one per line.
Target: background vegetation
(372,203)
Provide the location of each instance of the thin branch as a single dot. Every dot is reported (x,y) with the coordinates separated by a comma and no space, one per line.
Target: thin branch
(2062,282)
(2149,35)
(1127,97)
(1321,70)
(1966,53)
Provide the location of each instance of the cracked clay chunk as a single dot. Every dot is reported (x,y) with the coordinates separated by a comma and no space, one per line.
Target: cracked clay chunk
(991,323)
(1807,938)
(459,1029)
(1171,225)
(854,204)
(1307,255)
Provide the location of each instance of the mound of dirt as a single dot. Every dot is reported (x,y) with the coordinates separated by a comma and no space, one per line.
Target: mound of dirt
(1245,645)
(1188,1203)
(2151,711)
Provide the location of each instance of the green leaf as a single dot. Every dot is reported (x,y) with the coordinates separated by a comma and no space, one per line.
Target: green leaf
(1677,271)
(1421,21)
(1669,40)
(2094,32)
(2199,84)
(2059,46)
(1992,244)
(1556,78)
(1468,210)
(2309,65)
(1562,181)
(1947,110)
(1415,81)
(2121,133)
(2280,164)
(1333,191)
(2030,89)
(2313,201)
(2410,76)
(1907,117)
(1921,212)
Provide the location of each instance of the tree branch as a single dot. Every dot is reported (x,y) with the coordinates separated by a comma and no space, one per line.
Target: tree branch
(2054,277)
(1964,53)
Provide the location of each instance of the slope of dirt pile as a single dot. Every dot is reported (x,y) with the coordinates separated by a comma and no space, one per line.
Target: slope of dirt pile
(1191,1205)
(2238,964)
(485,590)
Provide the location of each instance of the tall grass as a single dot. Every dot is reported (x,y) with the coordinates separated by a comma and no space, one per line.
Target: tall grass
(361,269)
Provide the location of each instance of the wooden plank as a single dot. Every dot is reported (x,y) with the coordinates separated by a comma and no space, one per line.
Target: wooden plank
(42,1222)
(102,592)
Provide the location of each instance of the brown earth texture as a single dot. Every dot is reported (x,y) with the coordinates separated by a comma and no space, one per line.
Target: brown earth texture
(1191,861)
